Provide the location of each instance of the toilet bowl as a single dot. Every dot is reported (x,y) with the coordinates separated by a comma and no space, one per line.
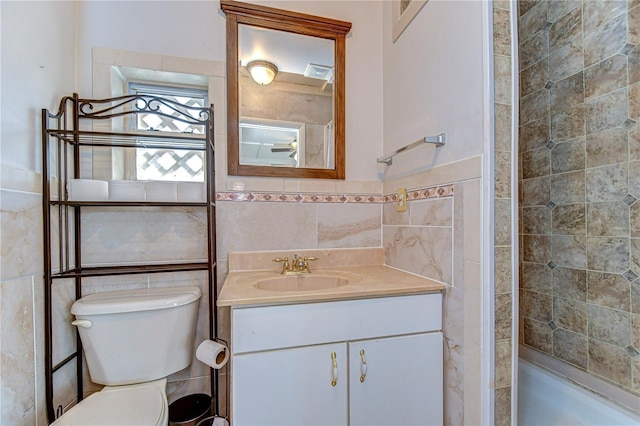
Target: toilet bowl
(143,404)
(132,340)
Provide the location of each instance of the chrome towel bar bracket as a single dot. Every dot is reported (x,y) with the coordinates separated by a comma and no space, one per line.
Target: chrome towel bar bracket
(437,140)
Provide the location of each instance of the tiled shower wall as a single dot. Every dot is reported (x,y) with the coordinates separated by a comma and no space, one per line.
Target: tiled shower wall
(580,185)
(503,214)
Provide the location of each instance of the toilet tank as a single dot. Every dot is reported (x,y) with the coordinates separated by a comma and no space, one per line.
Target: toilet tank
(135,336)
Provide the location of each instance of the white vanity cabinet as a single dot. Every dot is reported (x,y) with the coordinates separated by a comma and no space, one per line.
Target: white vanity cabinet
(283,366)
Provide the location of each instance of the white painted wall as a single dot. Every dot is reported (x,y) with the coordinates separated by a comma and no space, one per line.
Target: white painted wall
(433,84)
(38,68)
(196,29)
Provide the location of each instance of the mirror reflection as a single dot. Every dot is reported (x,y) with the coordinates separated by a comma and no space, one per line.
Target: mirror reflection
(286,99)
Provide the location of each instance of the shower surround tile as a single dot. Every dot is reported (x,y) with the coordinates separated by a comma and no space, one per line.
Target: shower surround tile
(535,163)
(569,219)
(537,306)
(503,127)
(534,78)
(609,290)
(501,32)
(634,65)
(503,316)
(568,124)
(567,93)
(502,70)
(608,183)
(589,67)
(536,248)
(607,112)
(608,219)
(565,29)
(533,21)
(534,134)
(570,284)
(609,326)
(534,106)
(568,188)
(608,254)
(605,40)
(534,49)
(570,347)
(503,277)
(564,62)
(526,5)
(634,102)
(538,335)
(605,77)
(503,363)
(503,174)
(569,251)
(599,12)
(567,156)
(536,277)
(536,220)
(607,147)
(570,315)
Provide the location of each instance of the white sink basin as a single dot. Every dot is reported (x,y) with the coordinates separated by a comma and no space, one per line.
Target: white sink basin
(301,282)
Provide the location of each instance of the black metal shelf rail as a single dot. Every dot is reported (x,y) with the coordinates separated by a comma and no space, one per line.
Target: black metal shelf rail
(62,137)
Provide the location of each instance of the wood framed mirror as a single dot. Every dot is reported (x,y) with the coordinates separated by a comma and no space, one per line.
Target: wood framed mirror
(292,124)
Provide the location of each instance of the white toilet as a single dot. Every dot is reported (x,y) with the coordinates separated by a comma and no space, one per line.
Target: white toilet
(133,339)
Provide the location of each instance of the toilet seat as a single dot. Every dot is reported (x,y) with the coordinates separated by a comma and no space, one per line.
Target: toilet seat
(139,404)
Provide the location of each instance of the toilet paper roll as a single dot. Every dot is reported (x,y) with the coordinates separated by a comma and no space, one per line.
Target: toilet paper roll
(213,354)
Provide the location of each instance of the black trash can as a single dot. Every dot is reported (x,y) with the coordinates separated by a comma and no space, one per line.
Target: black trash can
(189,410)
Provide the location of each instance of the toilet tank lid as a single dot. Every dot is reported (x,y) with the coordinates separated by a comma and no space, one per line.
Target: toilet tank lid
(146,299)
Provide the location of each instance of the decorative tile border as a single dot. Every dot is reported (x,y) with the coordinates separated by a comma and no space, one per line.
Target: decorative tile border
(417,194)
(425,193)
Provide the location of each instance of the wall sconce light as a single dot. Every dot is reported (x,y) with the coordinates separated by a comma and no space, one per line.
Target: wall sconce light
(262,72)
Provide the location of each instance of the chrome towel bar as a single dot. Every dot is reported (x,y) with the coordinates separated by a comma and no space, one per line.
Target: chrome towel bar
(437,140)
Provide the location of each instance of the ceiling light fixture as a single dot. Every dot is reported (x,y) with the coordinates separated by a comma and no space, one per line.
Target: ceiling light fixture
(262,72)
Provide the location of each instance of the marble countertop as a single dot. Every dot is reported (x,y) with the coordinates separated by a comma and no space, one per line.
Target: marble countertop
(240,289)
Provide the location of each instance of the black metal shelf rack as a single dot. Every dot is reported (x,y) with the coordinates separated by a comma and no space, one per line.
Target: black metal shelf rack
(63,135)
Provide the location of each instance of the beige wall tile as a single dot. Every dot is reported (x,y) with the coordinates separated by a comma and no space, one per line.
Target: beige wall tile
(472,221)
(21,222)
(472,307)
(473,390)
(349,225)
(109,237)
(391,215)
(17,357)
(254,226)
(425,251)
(437,212)
(453,383)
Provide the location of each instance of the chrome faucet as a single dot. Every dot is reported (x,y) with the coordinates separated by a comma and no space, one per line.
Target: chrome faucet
(298,265)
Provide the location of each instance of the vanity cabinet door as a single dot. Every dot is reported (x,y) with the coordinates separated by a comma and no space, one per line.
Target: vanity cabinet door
(401,384)
(291,386)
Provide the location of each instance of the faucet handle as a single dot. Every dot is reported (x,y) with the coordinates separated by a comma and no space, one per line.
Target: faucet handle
(311,258)
(285,263)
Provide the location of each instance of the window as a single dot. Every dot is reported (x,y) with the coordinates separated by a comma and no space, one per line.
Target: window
(271,142)
(169,164)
